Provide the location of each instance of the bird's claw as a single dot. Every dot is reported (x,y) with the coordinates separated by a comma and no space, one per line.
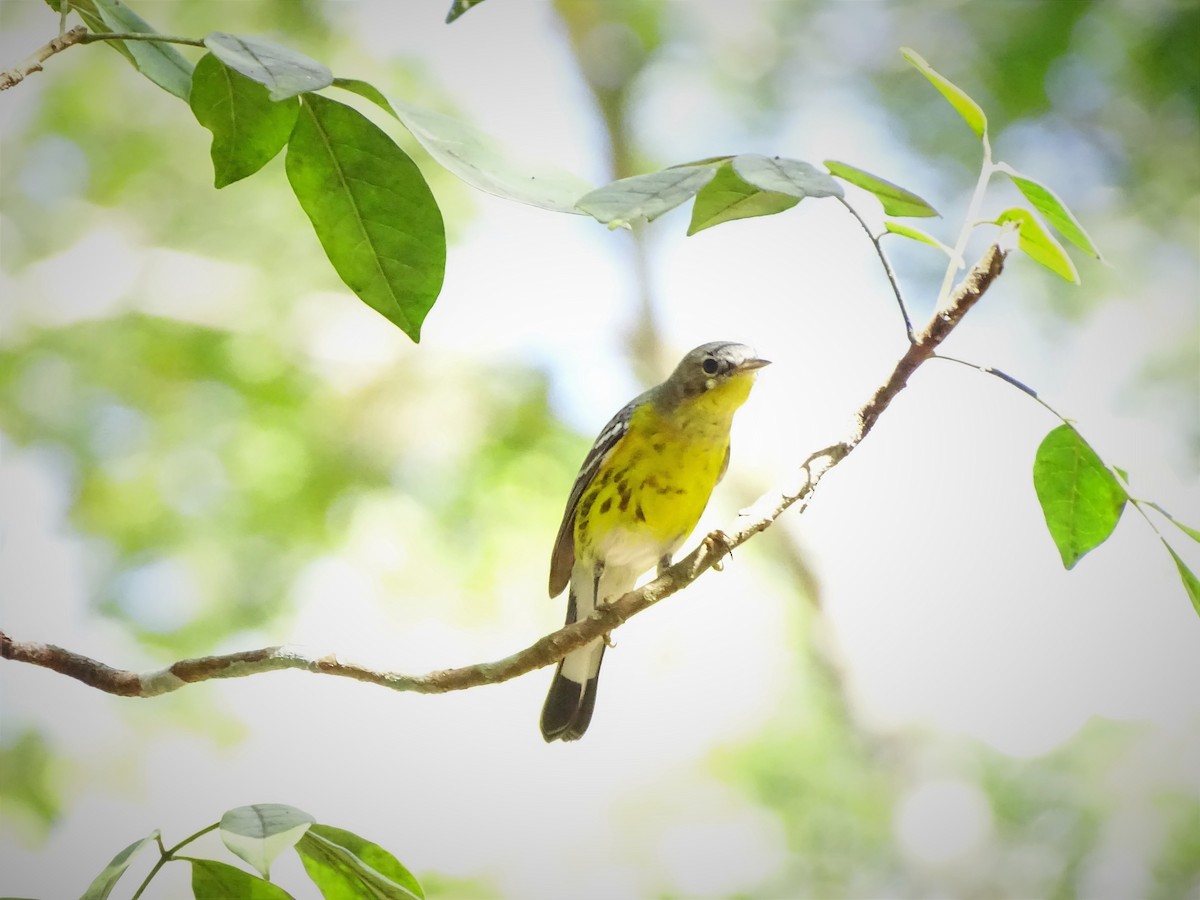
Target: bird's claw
(720,543)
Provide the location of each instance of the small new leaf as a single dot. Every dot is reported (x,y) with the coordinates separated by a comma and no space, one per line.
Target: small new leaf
(103,883)
(284,71)
(727,197)
(458,7)
(259,833)
(643,198)
(1080,498)
(248,129)
(1053,210)
(1191,583)
(341,864)
(211,878)
(1039,244)
(371,208)
(956,96)
(785,176)
(896,201)
(369,91)
(916,234)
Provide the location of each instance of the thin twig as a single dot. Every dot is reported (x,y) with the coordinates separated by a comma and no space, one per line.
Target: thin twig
(887,267)
(553,647)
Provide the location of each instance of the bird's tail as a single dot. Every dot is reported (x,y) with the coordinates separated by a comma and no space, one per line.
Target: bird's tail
(572,697)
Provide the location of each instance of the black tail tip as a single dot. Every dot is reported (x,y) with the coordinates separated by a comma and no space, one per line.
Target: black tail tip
(568,709)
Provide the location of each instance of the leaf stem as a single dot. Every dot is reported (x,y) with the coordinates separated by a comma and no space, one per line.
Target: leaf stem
(985,174)
(1137,503)
(1004,376)
(93,37)
(887,267)
(166,856)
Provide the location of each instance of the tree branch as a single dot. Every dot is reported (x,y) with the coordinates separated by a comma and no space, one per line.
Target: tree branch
(16,74)
(553,647)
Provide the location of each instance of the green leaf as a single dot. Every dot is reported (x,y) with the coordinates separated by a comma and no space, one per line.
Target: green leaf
(369,91)
(458,7)
(727,197)
(785,176)
(1081,499)
(967,108)
(161,63)
(284,71)
(248,129)
(212,879)
(916,234)
(103,883)
(259,833)
(645,197)
(478,160)
(1039,244)
(1191,583)
(896,200)
(371,208)
(1052,208)
(345,867)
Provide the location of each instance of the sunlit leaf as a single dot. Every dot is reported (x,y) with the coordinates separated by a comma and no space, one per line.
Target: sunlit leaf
(369,91)
(1039,244)
(643,198)
(284,71)
(1081,499)
(248,129)
(896,201)
(458,7)
(259,833)
(103,883)
(957,97)
(345,867)
(1052,208)
(1191,583)
(160,62)
(371,208)
(213,879)
(785,176)
(727,197)
(477,159)
(916,234)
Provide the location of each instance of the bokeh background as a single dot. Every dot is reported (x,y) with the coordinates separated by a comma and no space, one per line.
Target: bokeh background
(207,444)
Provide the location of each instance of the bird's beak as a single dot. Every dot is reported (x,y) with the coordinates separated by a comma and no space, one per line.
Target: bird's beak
(751,364)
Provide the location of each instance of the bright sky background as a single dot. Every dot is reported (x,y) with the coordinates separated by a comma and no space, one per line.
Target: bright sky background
(949,608)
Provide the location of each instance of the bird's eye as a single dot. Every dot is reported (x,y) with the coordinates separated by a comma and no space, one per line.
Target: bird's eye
(710,366)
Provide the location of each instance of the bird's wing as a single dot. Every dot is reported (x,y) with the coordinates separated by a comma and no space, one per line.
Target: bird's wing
(563,557)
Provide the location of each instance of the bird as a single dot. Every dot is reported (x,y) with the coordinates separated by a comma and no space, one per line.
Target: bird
(639,493)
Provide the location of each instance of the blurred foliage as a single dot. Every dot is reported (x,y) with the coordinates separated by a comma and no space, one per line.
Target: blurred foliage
(216,445)
(27,780)
(205,458)
(833,789)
